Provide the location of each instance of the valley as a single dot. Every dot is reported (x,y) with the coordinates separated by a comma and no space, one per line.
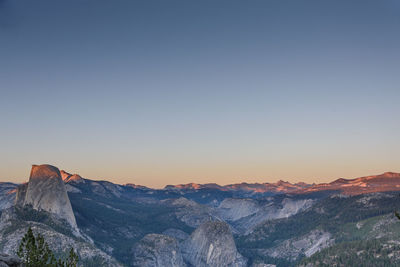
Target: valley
(208,225)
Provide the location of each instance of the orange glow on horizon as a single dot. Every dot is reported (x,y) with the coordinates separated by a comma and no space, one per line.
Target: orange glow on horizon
(222,174)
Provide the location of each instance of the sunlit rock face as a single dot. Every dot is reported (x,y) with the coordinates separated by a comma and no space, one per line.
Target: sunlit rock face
(46,191)
(67,177)
(156,250)
(212,244)
(386,182)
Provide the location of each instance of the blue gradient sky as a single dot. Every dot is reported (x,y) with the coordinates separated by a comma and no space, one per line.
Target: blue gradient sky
(166,92)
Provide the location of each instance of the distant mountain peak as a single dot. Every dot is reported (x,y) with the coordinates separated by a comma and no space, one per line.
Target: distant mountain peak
(383,175)
(387,181)
(391,174)
(340,181)
(136,186)
(281,182)
(194,186)
(67,177)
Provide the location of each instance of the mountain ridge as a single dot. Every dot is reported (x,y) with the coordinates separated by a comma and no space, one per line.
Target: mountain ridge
(272,223)
(387,181)
(373,182)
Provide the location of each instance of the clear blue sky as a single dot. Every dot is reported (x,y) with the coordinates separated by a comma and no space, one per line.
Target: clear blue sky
(166,92)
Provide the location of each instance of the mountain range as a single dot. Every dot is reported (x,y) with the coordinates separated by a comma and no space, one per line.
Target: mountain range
(388,181)
(246,224)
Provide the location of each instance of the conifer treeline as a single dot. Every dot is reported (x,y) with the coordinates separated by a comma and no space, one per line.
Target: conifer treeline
(35,252)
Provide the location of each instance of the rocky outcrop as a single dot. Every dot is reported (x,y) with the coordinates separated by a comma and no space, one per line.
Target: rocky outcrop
(156,250)
(232,209)
(46,191)
(307,244)
(212,244)
(269,211)
(21,193)
(9,261)
(190,212)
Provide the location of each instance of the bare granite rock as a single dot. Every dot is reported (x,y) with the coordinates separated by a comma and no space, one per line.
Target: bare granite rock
(236,209)
(307,244)
(46,191)
(212,244)
(156,250)
(190,212)
(20,195)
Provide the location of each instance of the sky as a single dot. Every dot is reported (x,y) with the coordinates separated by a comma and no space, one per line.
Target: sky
(168,92)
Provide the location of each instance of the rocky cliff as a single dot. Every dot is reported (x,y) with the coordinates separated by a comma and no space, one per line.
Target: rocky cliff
(212,244)
(46,191)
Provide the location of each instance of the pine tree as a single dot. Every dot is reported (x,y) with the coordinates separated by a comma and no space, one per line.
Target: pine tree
(397,214)
(35,252)
(72,260)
